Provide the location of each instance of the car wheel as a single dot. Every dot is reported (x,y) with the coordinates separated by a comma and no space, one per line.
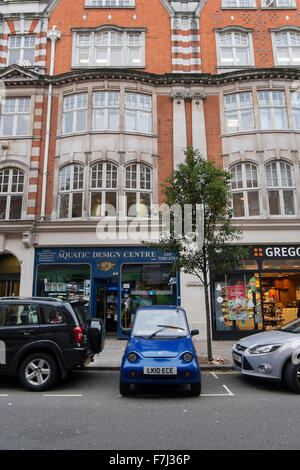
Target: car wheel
(291,377)
(125,388)
(38,372)
(196,389)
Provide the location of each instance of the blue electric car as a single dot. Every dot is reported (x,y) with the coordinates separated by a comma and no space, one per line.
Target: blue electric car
(160,350)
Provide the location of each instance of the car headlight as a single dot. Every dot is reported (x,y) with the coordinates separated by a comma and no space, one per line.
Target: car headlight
(187,357)
(264,349)
(132,357)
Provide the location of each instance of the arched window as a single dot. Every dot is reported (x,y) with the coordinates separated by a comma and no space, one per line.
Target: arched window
(103,189)
(11,193)
(245,192)
(280,186)
(71,191)
(138,188)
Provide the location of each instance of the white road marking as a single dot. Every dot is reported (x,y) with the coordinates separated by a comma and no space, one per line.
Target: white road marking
(62,395)
(229,392)
(3,395)
(214,375)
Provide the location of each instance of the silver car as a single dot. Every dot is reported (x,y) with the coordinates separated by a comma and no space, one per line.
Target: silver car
(272,355)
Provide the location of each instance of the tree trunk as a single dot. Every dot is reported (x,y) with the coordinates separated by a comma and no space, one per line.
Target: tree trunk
(208,320)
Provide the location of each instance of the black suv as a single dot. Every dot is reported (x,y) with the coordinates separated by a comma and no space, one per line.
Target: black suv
(41,339)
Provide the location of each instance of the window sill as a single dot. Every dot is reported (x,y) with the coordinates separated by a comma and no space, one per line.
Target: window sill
(239,8)
(279,8)
(76,134)
(260,131)
(112,67)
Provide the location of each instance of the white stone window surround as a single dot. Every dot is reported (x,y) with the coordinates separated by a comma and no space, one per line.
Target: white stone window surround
(278,4)
(286,46)
(245,189)
(289,108)
(12,188)
(280,187)
(109,3)
(108,46)
(240,42)
(89,110)
(238,4)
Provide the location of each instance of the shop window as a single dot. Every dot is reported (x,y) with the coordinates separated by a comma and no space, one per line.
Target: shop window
(138,187)
(71,192)
(238,112)
(75,113)
(106,110)
(65,281)
(272,110)
(281,264)
(238,302)
(15,115)
(103,189)
(145,284)
(11,193)
(245,193)
(21,50)
(280,187)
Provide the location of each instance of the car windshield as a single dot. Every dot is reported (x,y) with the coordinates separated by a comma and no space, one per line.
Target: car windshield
(160,323)
(292,327)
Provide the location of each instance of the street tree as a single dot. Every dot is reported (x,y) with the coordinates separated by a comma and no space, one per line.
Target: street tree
(203,238)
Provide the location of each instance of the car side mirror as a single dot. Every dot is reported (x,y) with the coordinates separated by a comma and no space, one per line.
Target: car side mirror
(194,332)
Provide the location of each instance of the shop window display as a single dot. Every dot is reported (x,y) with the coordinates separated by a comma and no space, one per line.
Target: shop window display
(238,302)
(71,282)
(145,284)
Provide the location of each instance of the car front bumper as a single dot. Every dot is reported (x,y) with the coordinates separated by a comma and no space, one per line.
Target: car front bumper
(267,366)
(133,373)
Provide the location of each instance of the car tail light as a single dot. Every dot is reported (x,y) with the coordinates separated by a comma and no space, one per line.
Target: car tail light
(78,334)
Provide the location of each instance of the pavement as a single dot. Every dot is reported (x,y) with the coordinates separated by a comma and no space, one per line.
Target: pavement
(111,356)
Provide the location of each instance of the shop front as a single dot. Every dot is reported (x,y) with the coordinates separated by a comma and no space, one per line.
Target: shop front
(113,282)
(263,294)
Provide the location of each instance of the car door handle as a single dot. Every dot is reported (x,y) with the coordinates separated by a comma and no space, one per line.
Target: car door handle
(28,332)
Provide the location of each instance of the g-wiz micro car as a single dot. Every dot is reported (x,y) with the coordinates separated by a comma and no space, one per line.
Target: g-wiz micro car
(160,350)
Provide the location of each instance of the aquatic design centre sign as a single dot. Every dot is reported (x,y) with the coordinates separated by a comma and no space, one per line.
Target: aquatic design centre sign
(94,255)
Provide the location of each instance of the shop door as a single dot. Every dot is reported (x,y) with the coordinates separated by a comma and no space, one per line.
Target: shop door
(9,288)
(106,304)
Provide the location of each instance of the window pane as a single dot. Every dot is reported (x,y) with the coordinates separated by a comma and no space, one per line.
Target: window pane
(113,119)
(77,205)
(64,206)
(22,124)
(145,204)
(274,202)
(242,57)
(3,200)
(265,119)
(280,121)
(15,209)
(246,120)
(238,204)
(96,201)
(288,200)
(253,203)
(7,125)
(81,121)
(131,204)
(116,56)
(99,116)
(68,123)
(130,118)
(111,200)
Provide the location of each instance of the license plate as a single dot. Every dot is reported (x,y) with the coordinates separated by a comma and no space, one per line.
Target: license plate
(160,370)
(237,357)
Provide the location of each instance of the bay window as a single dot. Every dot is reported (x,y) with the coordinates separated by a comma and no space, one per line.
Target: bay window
(71,188)
(138,113)
(103,189)
(238,112)
(75,113)
(106,110)
(272,110)
(138,187)
(245,192)
(280,187)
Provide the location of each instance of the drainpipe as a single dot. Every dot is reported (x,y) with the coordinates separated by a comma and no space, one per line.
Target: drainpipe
(53,35)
